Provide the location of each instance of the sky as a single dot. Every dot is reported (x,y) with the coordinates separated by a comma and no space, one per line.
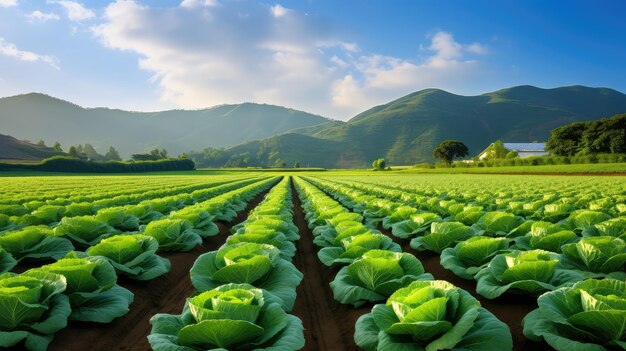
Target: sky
(329,57)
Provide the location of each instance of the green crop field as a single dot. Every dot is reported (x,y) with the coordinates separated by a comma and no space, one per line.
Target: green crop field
(315,260)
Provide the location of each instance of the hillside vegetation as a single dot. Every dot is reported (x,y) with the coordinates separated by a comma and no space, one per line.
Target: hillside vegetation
(37,116)
(406,130)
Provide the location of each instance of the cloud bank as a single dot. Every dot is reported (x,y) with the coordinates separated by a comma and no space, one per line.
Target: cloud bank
(203,53)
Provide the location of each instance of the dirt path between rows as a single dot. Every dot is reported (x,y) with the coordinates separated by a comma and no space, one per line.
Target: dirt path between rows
(328,324)
(165,294)
(509,308)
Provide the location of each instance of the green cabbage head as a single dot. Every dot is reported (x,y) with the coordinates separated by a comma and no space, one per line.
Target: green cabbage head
(35,243)
(229,317)
(173,234)
(375,276)
(430,316)
(32,309)
(442,235)
(259,265)
(132,255)
(524,272)
(589,316)
(470,256)
(597,254)
(91,287)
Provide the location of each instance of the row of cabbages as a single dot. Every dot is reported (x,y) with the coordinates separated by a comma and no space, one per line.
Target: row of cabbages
(179,230)
(418,313)
(82,286)
(245,288)
(538,201)
(64,191)
(506,253)
(144,205)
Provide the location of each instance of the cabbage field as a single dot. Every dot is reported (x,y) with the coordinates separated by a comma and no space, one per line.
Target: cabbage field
(314,261)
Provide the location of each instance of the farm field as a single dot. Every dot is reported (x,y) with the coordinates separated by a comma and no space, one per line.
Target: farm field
(313,260)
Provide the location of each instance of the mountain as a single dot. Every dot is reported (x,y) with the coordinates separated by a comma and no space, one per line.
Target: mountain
(37,116)
(406,130)
(12,150)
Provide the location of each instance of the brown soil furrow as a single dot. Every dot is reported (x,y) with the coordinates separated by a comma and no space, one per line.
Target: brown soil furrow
(165,294)
(510,309)
(328,325)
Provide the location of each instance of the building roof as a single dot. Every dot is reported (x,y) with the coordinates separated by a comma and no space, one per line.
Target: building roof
(537,147)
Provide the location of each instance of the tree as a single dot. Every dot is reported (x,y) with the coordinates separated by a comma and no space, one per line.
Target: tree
(499,151)
(296,165)
(565,141)
(57,146)
(41,143)
(512,154)
(90,152)
(379,164)
(112,155)
(449,149)
(73,152)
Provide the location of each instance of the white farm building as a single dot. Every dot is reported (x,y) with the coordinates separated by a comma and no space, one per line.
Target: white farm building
(523,149)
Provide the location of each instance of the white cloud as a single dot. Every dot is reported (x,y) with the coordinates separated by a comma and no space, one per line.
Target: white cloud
(8,3)
(198,3)
(10,50)
(239,52)
(38,16)
(75,11)
(279,11)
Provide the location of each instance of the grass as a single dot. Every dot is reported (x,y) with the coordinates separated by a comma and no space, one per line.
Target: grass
(594,168)
(577,169)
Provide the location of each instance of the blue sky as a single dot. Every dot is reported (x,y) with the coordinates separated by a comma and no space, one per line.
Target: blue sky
(334,58)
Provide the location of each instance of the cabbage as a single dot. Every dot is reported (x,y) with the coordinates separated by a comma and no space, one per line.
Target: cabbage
(615,227)
(589,316)
(132,255)
(430,316)
(470,256)
(597,254)
(229,317)
(375,276)
(257,264)
(582,219)
(400,214)
(173,234)
(91,288)
(546,236)
(35,243)
(32,309)
(442,235)
(47,214)
(118,218)
(497,224)
(531,273)
(416,224)
(202,222)
(332,236)
(355,246)
(84,231)
(277,239)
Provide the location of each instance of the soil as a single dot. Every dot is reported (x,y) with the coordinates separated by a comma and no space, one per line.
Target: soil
(165,294)
(328,324)
(510,309)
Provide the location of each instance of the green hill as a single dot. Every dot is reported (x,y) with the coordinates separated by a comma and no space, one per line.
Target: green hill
(405,131)
(37,116)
